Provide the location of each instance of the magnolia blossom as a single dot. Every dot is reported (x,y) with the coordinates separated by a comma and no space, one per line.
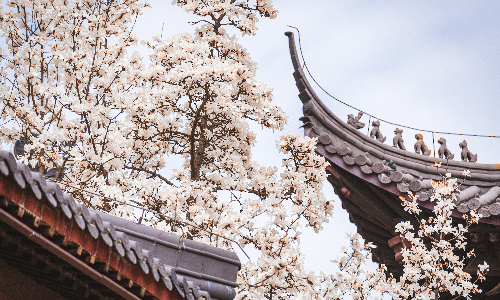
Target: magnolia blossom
(106,122)
(431,264)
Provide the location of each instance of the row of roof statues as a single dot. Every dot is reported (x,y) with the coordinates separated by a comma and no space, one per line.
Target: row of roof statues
(420,147)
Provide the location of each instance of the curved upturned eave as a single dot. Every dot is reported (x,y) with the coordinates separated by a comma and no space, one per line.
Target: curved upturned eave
(481,174)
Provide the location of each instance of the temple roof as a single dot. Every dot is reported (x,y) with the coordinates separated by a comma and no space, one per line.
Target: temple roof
(396,170)
(369,176)
(154,262)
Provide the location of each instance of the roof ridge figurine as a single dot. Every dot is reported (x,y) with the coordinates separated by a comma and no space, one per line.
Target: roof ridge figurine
(420,146)
(354,121)
(466,154)
(398,141)
(376,133)
(443,150)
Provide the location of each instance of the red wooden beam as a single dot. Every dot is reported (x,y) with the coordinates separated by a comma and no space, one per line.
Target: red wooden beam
(61,253)
(54,218)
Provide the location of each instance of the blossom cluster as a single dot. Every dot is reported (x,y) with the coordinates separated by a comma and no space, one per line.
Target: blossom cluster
(432,263)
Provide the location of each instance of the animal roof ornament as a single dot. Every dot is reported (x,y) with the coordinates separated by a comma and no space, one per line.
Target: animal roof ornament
(443,151)
(354,121)
(376,133)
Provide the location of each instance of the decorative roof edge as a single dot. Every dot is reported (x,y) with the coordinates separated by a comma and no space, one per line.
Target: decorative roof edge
(408,171)
(313,106)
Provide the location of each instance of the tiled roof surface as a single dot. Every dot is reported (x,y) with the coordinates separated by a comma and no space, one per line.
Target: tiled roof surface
(206,268)
(485,197)
(194,269)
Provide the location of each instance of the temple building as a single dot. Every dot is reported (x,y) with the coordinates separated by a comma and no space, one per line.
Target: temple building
(369,175)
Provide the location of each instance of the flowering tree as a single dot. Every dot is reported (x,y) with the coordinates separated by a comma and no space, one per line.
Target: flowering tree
(64,78)
(108,123)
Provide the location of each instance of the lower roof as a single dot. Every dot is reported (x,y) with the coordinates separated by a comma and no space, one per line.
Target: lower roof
(152,262)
